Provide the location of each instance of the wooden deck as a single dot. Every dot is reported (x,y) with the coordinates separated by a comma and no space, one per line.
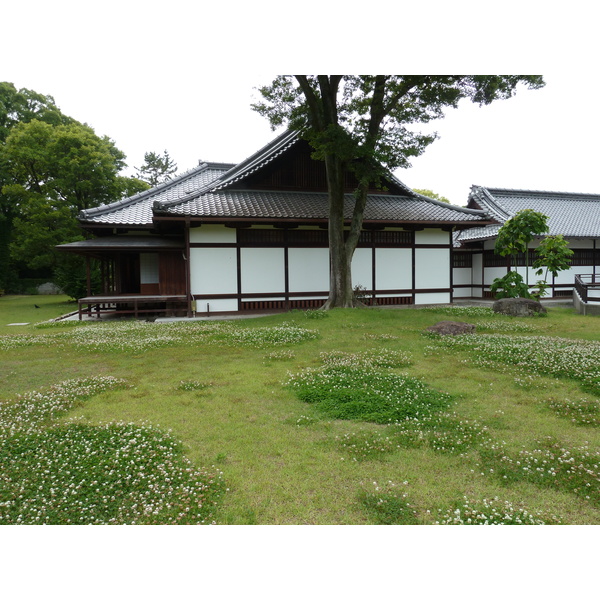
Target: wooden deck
(132,304)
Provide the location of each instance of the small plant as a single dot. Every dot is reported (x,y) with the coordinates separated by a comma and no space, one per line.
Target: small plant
(316,314)
(510,286)
(366,394)
(493,512)
(191,386)
(582,411)
(574,470)
(281,355)
(387,504)
(360,294)
(367,445)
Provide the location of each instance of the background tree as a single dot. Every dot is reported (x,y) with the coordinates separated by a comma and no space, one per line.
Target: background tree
(17,106)
(553,255)
(433,195)
(157,169)
(51,167)
(364,124)
(513,239)
(516,234)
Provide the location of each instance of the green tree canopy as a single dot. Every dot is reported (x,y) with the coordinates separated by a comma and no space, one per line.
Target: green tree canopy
(51,167)
(365,124)
(431,194)
(156,168)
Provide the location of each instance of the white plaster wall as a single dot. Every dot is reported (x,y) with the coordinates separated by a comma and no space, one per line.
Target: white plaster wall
(308,269)
(432,268)
(432,236)
(581,244)
(436,298)
(148,267)
(362,268)
(263,270)
(568,276)
(212,234)
(213,271)
(492,273)
(461,275)
(522,271)
(393,268)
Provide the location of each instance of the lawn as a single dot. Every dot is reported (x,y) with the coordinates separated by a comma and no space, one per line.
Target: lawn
(346,417)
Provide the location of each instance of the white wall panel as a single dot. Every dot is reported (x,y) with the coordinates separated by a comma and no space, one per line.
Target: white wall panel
(461,275)
(492,273)
(432,236)
(436,298)
(308,269)
(432,268)
(148,267)
(212,234)
(362,268)
(213,270)
(263,270)
(393,268)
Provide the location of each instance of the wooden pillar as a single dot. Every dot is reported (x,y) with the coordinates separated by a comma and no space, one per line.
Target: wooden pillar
(88,276)
(188,277)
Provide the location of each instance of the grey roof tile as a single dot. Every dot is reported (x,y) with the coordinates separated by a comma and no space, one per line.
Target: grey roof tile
(312,205)
(137,210)
(569,214)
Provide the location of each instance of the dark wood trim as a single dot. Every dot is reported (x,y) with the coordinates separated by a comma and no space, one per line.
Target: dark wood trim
(451,272)
(413,264)
(238,258)
(188,274)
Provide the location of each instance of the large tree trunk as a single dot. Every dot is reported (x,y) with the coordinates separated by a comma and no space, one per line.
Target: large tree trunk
(341,247)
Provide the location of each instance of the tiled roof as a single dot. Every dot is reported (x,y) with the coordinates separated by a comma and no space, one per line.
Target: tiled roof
(137,210)
(312,205)
(571,215)
(208,192)
(218,200)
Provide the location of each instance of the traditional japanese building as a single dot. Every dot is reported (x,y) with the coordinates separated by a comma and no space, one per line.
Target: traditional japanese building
(574,216)
(225,238)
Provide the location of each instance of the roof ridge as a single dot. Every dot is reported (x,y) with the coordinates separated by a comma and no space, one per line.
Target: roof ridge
(541,192)
(266,154)
(129,200)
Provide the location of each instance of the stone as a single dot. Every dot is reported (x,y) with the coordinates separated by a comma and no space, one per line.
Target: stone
(518,307)
(452,328)
(48,288)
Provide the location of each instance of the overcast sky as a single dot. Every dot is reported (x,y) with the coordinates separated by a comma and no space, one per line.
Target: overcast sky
(181,77)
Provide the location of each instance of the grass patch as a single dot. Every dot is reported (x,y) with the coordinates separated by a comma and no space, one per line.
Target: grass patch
(285,461)
(118,473)
(387,504)
(493,512)
(550,463)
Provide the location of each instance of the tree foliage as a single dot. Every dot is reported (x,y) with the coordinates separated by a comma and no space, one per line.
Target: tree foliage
(365,124)
(514,237)
(156,168)
(433,195)
(51,167)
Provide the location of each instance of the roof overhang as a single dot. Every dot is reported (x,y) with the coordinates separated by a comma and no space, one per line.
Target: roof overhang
(123,243)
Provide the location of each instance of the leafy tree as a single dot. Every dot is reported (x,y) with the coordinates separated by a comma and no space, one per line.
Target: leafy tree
(431,194)
(516,234)
(157,169)
(554,255)
(51,167)
(364,124)
(514,237)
